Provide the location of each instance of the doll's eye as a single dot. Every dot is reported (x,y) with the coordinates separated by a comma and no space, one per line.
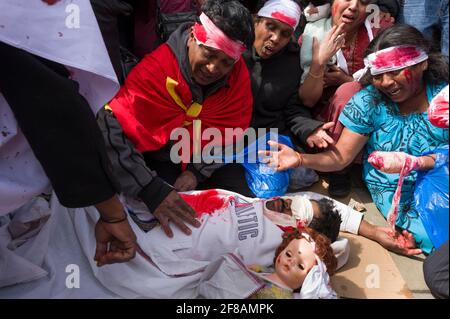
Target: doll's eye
(301,267)
(288,254)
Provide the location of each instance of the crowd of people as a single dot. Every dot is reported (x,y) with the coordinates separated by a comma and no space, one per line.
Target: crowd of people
(88,116)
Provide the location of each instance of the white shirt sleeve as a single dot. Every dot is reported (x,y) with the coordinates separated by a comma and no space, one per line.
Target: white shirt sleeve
(351,219)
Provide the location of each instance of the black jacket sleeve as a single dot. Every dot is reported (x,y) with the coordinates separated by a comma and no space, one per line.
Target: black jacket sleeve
(133,175)
(299,119)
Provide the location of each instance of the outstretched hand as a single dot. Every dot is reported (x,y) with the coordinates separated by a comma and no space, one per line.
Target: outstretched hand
(401,243)
(282,159)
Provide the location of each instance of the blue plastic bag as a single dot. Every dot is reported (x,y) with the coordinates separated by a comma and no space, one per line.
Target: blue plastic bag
(263,180)
(431,198)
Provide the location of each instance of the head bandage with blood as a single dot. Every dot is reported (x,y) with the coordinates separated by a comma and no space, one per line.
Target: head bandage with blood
(209,35)
(438,110)
(317,282)
(394,58)
(286,11)
(302,212)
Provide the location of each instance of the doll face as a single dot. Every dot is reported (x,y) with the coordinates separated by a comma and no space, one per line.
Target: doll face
(401,85)
(294,262)
(208,65)
(271,36)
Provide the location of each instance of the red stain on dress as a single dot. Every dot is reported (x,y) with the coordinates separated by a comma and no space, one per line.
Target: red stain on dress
(395,57)
(207,202)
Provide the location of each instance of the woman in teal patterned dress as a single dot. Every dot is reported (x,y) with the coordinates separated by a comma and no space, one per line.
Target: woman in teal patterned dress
(389,114)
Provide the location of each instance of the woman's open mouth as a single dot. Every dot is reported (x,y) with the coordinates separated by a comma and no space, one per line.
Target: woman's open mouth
(348,18)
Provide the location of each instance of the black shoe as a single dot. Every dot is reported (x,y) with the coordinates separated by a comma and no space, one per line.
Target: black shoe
(339,185)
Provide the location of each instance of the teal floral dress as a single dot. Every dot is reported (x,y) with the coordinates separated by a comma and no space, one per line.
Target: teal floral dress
(372,114)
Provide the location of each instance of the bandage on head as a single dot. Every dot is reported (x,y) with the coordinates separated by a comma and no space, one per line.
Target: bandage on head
(210,35)
(286,11)
(394,58)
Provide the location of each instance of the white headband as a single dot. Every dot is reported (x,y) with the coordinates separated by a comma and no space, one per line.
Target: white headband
(302,209)
(210,35)
(286,11)
(302,213)
(394,58)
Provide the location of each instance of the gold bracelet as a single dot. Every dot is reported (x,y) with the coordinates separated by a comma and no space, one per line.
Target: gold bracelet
(315,76)
(300,159)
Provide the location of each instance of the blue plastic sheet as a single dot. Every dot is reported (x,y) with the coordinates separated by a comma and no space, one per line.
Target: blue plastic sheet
(431,198)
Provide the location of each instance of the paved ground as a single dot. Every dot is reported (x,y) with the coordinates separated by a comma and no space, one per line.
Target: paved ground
(410,267)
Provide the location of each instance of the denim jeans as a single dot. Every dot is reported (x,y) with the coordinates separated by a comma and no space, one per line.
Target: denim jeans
(426,15)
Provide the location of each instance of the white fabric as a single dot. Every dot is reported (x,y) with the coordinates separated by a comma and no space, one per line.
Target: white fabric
(302,209)
(286,8)
(21,175)
(374,70)
(319,30)
(324,12)
(43,30)
(216,38)
(170,270)
(317,283)
(351,219)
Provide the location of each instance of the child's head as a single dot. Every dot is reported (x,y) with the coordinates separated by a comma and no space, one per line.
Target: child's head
(321,215)
(299,252)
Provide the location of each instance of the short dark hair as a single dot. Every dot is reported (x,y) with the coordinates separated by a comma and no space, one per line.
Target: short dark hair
(329,221)
(232,18)
(404,34)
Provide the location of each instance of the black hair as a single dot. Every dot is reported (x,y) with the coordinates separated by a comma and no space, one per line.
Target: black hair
(232,18)
(329,221)
(403,34)
(316,3)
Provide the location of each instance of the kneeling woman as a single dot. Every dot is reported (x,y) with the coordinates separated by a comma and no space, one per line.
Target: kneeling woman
(389,114)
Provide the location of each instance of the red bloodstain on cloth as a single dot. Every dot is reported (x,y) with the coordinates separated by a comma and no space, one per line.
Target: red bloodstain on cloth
(391,162)
(50,2)
(438,112)
(207,202)
(396,57)
(284,18)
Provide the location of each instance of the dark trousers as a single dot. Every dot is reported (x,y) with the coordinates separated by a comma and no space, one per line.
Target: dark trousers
(435,270)
(59,126)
